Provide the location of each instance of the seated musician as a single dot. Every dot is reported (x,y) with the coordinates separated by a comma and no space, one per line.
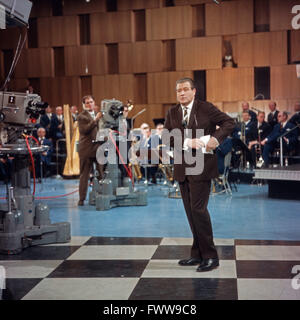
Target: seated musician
(242,135)
(246,108)
(258,135)
(273,115)
(295,119)
(289,141)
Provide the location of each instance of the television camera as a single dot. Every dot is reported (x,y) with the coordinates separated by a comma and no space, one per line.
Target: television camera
(115,189)
(22,222)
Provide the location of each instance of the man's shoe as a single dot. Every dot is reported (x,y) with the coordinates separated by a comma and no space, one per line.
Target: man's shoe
(190,262)
(208,265)
(80,203)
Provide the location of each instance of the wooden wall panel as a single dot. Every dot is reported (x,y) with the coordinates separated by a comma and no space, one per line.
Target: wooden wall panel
(281,14)
(19,85)
(21,70)
(58,31)
(111,27)
(261,15)
(9,38)
(74,7)
(40,62)
(124,5)
(230,84)
(85,60)
(229,18)
(35,63)
(190,2)
(142,56)
(61,90)
(41,8)
(295,46)
(153,111)
(169,23)
(199,53)
(284,82)
(161,86)
(120,87)
(261,49)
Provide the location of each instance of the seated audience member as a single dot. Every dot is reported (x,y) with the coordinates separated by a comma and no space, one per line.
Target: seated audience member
(289,141)
(45,121)
(42,160)
(74,112)
(273,115)
(57,124)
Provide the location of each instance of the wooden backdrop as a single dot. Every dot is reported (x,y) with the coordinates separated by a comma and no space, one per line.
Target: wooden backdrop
(136,49)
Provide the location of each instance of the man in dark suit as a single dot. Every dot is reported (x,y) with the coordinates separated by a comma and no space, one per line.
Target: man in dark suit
(195,188)
(57,125)
(42,160)
(263,129)
(295,119)
(242,134)
(88,127)
(273,115)
(289,141)
(45,121)
(246,108)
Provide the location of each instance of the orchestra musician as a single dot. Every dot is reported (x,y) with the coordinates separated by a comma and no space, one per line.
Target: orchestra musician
(263,129)
(246,108)
(270,142)
(273,115)
(242,135)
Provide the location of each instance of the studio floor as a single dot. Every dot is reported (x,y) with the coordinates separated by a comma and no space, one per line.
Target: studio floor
(132,252)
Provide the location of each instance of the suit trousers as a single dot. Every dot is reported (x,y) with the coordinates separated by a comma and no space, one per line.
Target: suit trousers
(86,166)
(195,195)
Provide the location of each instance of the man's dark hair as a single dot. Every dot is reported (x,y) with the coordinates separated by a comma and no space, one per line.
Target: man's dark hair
(87,97)
(246,111)
(285,114)
(182,80)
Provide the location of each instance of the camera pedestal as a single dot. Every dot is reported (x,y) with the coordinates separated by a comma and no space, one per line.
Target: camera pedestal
(22,222)
(113,191)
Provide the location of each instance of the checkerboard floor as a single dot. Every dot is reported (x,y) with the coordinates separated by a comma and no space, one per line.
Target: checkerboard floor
(98,268)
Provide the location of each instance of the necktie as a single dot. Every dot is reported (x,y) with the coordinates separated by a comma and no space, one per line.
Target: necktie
(185,113)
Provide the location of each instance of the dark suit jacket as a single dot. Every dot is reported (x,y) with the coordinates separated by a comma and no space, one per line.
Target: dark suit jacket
(88,128)
(253,116)
(295,119)
(265,130)
(273,120)
(250,129)
(277,132)
(47,158)
(55,132)
(204,116)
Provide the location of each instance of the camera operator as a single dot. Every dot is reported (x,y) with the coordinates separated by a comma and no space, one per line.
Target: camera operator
(88,126)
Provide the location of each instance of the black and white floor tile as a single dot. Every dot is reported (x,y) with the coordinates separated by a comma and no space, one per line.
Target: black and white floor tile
(98,268)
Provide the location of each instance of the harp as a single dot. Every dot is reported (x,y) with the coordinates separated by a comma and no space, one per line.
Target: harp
(71,167)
